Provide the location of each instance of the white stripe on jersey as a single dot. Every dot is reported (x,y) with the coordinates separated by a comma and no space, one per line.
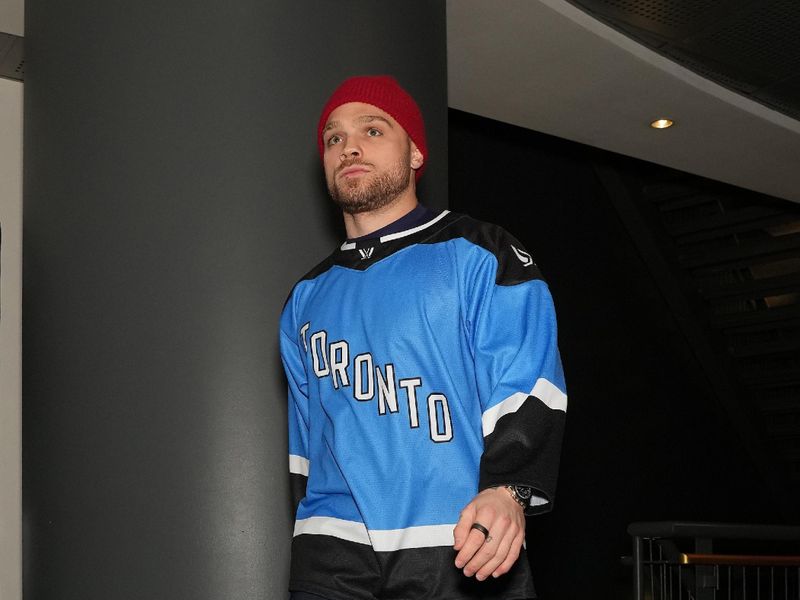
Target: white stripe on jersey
(345,530)
(543,390)
(401,234)
(423,536)
(381,540)
(298,465)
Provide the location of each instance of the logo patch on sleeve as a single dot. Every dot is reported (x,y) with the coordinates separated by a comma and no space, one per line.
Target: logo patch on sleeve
(523,256)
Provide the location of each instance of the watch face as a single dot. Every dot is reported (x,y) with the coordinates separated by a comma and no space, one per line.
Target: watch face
(523,492)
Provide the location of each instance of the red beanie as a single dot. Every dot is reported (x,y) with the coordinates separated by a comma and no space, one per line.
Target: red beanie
(384,92)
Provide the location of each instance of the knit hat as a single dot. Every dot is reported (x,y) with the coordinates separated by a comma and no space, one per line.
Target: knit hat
(384,92)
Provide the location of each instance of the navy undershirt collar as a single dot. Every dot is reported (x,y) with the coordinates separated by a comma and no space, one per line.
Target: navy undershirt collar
(421,214)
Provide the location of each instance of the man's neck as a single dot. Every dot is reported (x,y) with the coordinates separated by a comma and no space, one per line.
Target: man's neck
(362,224)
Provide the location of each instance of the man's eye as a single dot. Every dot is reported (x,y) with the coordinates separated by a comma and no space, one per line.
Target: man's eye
(373,132)
(334,139)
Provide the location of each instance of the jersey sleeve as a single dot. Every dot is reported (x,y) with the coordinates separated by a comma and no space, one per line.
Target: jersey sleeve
(294,367)
(520,379)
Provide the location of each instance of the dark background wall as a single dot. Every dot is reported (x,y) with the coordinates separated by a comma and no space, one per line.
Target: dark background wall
(172,196)
(645,439)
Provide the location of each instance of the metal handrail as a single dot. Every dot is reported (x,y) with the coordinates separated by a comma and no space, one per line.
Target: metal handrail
(739,560)
(703,535)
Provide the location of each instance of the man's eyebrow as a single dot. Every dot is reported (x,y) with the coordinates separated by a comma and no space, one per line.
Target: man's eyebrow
(370,118)
(362,119)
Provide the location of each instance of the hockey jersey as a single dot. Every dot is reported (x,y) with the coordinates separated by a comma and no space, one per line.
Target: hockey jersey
(422,367)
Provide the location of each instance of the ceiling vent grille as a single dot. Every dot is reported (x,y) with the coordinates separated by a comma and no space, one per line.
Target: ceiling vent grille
(767,37)
(665,12)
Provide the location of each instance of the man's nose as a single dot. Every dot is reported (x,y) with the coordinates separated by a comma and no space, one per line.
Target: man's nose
(351,151)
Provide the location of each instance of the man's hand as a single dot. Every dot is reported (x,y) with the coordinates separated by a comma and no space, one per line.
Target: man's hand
(495,509)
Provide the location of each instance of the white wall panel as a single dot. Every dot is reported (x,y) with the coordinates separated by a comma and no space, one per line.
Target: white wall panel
(12,14)
(10,338)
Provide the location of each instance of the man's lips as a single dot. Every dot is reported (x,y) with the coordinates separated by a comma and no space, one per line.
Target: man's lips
(353,171)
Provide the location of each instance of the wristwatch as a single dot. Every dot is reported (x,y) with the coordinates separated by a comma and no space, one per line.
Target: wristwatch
(521,494)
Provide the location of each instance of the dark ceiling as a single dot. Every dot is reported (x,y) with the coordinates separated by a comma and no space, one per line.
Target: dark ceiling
(749,46)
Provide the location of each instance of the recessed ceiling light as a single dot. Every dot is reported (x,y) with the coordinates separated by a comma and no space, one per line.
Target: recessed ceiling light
(661,123)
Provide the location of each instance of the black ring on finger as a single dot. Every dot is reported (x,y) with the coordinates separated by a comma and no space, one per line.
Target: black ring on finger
(482,529)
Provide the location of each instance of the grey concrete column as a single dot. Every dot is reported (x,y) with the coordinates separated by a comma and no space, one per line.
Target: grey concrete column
(172,196)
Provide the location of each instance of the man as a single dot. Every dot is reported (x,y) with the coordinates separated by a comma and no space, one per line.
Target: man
(426,396)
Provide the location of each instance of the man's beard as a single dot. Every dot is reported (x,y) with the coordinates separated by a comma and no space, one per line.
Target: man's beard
(369,192)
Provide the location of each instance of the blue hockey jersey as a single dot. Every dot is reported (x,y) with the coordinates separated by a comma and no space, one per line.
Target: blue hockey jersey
(422,367)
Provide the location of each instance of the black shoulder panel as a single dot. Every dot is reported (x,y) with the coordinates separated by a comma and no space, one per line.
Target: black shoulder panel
(320,268)
(316,271)
(514,264)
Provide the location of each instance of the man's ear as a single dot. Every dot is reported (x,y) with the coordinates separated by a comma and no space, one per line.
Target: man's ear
(416,158)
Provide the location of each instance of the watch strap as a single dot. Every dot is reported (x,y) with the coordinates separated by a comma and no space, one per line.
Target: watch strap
(520,494)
